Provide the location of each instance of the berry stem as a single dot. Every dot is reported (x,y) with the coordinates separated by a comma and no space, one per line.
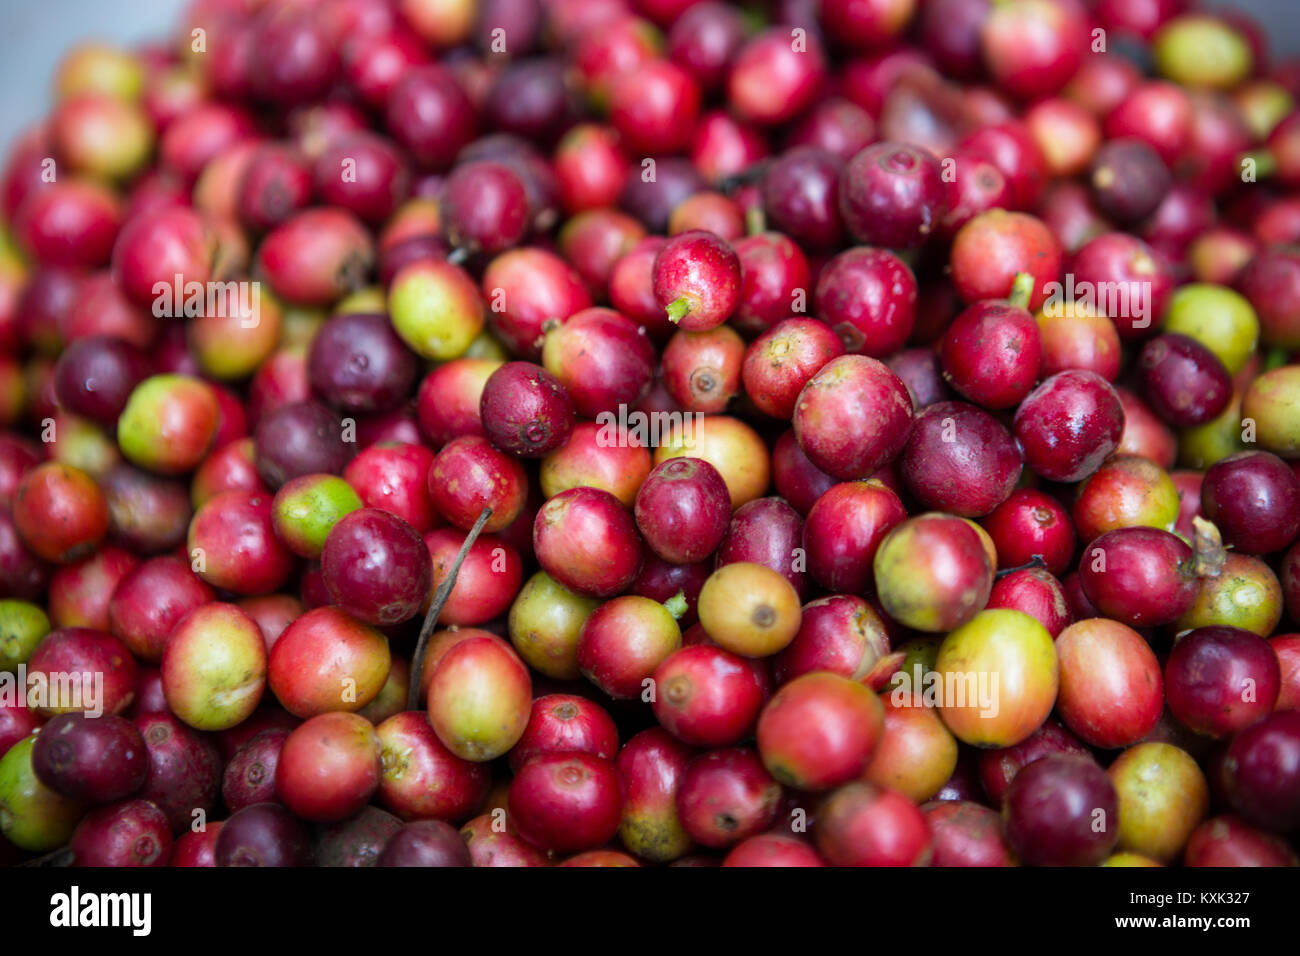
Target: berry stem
(1210,552)
(1022,290)
(1034,562)
(435,608)
(61,857)
(677,605)
(678,309)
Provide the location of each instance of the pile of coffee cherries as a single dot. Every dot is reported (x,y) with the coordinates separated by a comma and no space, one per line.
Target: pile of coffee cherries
(644,432)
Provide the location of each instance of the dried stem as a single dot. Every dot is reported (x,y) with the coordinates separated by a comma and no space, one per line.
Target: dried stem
(435,608)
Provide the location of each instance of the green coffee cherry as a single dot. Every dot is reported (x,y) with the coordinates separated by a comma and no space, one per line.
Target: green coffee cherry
(1272,404)
(22,625)
(1217,317)
(32,816)
(1200,50)
(307,507)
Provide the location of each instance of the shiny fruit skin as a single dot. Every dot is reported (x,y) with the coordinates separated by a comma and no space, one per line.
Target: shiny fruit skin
(1219,680)
(327,660)
(892,194)
(1254,499)
(436,309)
(868,298)
(843,532)
(447,401)
(265,834)
(819,731)
(749,609)
(928,594)
(852,417)
(838,633)
(168,423)
(1183,380)
(249,776)
(1267,402)
(197,848)
(1228,840)
(95,759)
(702,370)
(706,696)
(992,354)
(1037,593)
(22,627)
(232,544)
(1062,811)
(966,834)
(214,667)
(563,723)
(916,755)
(661,581)
(862,824)
(651,768)
(587,541)
(81,670)
(797,479)
(545,626)
(479,699)
(1163,797)
(960,459)
(727,796)
(1111,692)
(1142,577)
(488,579)
(1031,523)
(425,843)
(329,767)
(491,846)
(1015,650)
(184,770)
(1219,318)
(377,567)
(766,531)
(603,359)
(420,778)
(130,833)
(773,849)
(682,510)
(1261,772)
(732,447)
(60,512)
(1287,647)
(1246,594)
(997,768)
(469,474)
(306,508)
(151,600)
(393,476)
(995,246)
(525,410)
(587,460)
(779,363)
(566,802)
(623,642)
(1069,425)
(1126,491)
(1076,336)
(32,816)
(697,279)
